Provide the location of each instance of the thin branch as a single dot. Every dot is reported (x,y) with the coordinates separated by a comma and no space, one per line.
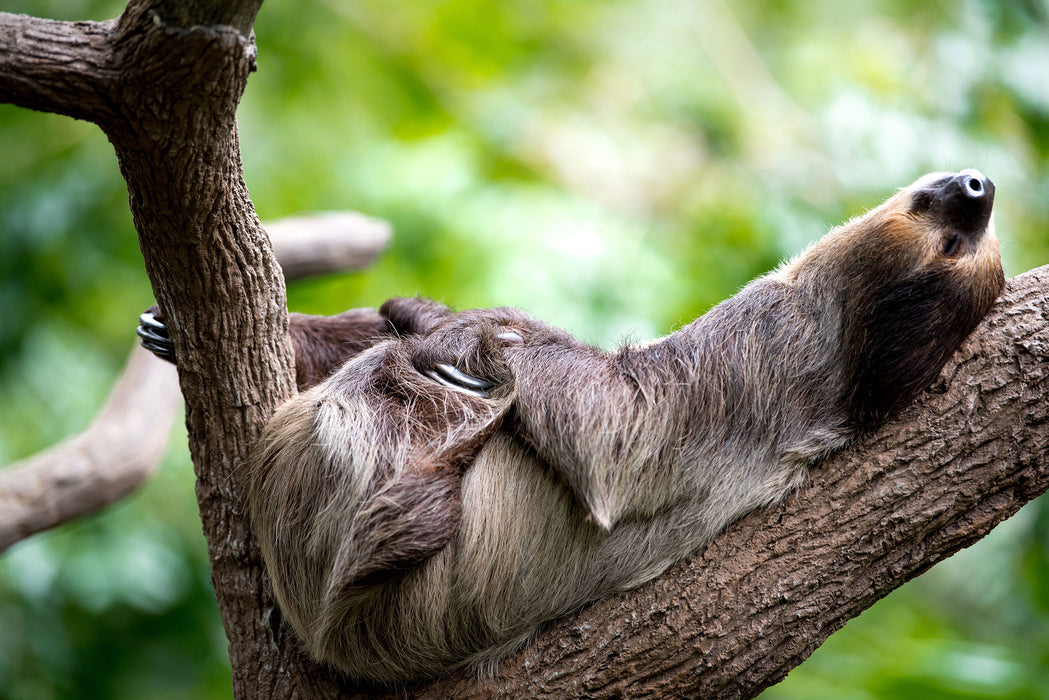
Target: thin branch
(102,464)
(335,241)
(54,66)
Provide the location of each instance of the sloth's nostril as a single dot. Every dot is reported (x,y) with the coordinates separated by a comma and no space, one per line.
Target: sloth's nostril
(973,185)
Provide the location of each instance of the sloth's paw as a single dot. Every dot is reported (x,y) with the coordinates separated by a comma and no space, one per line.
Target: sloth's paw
(153,333)
(466,354)
(414,315)
(456,379)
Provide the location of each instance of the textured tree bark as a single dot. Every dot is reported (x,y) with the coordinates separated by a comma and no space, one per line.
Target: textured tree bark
(214,275)
(61,67)
(163,82)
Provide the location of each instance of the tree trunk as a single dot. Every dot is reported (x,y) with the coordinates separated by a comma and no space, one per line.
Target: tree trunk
(164,81)
(215,276)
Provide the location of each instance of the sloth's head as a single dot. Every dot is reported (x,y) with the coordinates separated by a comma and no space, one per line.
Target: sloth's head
(908,282)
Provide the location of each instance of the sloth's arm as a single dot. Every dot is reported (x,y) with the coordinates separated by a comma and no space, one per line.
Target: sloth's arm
(322,343)
(606,422)
(598,419)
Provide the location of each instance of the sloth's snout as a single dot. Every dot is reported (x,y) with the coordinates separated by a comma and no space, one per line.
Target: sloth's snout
(962,201)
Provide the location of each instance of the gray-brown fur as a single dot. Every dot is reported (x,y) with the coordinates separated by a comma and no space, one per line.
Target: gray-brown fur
(410,528)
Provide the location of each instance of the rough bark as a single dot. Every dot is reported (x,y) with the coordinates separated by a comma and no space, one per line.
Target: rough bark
(163,82)
(215,277)
(52,66)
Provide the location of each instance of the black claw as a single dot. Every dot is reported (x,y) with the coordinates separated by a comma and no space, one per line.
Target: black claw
(449,376)
(148,320)
(164,352)
(151,335)
(154,335)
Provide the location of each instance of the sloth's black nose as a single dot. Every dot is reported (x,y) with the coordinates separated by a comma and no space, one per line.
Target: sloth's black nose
(974,184)
(962,201)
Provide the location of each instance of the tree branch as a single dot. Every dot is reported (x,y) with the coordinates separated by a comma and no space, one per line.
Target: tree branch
(333,241)
(214,274)
(771,588)
(100,465)
(54,66)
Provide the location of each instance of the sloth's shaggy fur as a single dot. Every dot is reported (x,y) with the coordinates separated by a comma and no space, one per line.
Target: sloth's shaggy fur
(410,528)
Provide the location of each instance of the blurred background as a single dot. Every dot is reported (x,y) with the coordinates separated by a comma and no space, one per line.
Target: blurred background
(613,166)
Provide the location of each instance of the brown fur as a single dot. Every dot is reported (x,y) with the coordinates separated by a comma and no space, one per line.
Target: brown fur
(323,343)
(410,528)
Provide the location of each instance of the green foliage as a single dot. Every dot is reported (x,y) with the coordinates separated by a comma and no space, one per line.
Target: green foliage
(613,166)
(116,605)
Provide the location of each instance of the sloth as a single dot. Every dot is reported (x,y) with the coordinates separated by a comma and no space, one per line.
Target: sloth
(446,483)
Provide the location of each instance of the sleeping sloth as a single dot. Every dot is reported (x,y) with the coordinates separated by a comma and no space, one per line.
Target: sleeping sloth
(465,477)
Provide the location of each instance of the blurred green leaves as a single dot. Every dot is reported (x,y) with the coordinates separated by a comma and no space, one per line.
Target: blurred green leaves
(613,166)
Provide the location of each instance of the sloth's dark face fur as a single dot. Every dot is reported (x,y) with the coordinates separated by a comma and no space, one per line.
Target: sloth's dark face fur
(913,277)
(410,527)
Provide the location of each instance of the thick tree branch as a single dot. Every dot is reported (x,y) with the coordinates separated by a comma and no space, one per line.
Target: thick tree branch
(214,275)
(53,66)
(768,591)
(123,445)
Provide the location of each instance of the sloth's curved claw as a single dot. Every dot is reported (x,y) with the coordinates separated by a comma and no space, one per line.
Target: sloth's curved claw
(510,336)
(456,379)
(154,337)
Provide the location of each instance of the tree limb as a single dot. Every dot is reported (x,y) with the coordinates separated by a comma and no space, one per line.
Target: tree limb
(123,446)
(214,275)
(100,465)
(332,241)
(54,66)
